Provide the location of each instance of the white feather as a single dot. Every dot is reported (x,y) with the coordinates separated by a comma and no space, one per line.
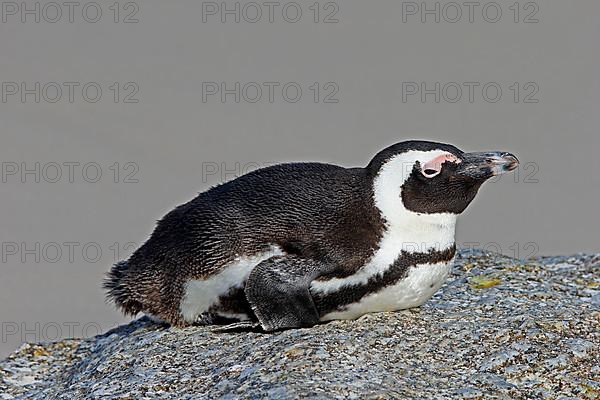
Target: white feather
(200,294)
(419,285)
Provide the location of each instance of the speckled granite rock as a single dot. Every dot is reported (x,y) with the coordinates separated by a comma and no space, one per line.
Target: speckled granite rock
(499,328)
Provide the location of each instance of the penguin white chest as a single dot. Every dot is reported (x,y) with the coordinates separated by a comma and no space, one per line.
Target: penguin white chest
(420,283)
(427,240)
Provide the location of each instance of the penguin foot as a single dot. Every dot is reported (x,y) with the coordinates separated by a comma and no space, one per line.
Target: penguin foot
(278,292)
(242,326)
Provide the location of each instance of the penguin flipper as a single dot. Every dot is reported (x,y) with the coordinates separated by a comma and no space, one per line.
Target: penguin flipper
(278,292)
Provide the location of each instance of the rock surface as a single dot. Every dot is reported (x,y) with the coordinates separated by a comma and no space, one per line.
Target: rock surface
(499,328)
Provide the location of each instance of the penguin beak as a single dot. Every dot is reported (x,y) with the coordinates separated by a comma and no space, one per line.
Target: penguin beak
(487,164)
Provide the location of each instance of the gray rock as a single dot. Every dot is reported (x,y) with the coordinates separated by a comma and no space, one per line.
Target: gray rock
(500,328)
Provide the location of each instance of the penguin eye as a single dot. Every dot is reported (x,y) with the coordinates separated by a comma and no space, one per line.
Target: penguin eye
(430,172)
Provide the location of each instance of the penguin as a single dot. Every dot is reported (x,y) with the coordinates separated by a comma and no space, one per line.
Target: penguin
(293,245)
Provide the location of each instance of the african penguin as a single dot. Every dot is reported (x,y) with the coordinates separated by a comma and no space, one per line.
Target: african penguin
(292,245)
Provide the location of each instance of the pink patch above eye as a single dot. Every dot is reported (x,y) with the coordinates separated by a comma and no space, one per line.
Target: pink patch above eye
(436,163)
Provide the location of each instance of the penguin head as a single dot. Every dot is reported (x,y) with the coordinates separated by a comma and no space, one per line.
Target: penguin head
(423,177)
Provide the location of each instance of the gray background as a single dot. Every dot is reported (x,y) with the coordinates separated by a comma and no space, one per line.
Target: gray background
(174,138)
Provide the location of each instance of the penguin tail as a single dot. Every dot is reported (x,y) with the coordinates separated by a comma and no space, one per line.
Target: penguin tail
(118,290)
